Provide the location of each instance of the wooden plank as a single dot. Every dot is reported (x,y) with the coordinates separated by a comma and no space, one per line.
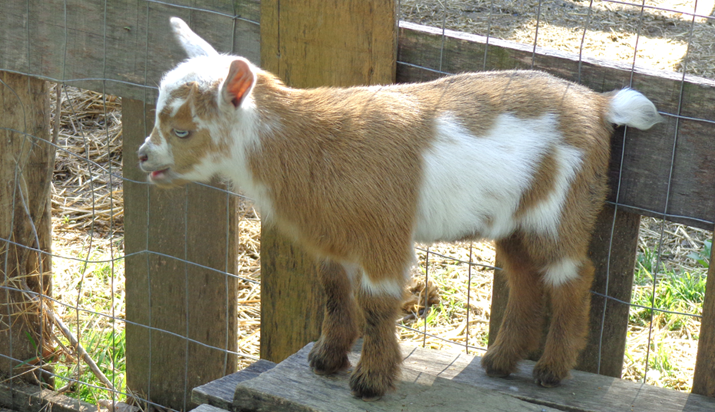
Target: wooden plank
(608,326)
(583,392)
(22,397)
(207,408)
(196,224)
(704,379)
(291,386)
(128,42)
(219,393)
(25,218)
(647,158)
(307,44)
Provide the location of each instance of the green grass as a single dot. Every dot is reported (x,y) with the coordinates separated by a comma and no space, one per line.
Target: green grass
(676,291)
(102,337)
(108,349)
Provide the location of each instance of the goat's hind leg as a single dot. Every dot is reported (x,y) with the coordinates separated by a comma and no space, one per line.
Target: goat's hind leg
(339,331)
(521,328)
(567,283)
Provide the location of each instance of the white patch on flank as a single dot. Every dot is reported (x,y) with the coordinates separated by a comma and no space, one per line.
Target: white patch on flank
(472,185)
(545,216)
(561,272)
(390,287)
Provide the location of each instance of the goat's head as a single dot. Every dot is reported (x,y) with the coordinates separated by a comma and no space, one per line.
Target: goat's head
(200,102)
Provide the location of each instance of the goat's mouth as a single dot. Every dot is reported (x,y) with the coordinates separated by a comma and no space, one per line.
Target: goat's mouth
(159,175)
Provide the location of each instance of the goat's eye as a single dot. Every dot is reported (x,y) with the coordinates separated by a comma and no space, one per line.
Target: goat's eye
(181,133)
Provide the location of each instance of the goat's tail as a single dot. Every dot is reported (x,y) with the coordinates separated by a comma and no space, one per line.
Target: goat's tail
(628,107)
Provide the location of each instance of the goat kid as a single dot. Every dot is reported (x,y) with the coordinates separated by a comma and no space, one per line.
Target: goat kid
(356,175)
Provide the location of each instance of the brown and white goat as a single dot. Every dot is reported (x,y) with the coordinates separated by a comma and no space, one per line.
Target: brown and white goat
(356,175)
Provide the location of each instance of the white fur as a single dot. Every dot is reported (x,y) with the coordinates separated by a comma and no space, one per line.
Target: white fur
(544,218)
(389,287)
(630,108)
(190,41)
(472,185)
(561,272)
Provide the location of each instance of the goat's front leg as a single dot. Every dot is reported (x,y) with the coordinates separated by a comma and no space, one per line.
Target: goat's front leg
(570,304)
(380,360)
(339,332)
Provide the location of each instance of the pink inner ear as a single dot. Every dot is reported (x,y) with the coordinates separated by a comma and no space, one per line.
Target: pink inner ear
(239,82)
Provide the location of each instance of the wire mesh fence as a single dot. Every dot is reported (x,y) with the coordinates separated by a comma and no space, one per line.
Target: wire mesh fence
(82,338)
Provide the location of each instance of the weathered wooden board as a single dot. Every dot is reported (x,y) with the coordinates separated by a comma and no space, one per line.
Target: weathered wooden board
(26,165)
(704,379)
(608,325)
(291,386)
(207,408)
(22,397)
(583,392)
(451,380)
(196,224)
(647,156)
(127,42)
(308,44)
(219,393)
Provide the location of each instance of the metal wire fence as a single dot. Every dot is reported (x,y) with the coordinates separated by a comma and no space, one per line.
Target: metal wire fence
(101,252)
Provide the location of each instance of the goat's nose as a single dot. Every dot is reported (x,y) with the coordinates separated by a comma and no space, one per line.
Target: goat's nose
(143,156)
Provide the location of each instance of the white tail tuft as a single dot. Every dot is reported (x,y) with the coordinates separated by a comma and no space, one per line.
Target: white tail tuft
(630,108)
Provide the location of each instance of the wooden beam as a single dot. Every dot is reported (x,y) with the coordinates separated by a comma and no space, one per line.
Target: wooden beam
(644,180)
(308,44)
(26,166)
(172,300)
(127,42)
(704,379)
(614,258)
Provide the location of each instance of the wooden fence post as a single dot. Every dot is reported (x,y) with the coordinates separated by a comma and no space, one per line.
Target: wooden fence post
(25,218)
(704,379)
(196,224)
(620,283)
(310,43)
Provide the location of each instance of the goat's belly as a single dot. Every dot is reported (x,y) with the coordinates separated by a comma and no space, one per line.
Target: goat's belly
(472,186)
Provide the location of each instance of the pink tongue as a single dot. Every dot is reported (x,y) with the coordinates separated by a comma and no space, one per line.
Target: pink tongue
(157,173)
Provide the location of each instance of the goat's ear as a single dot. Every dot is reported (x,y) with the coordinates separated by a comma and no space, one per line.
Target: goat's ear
(238,83)
(191,42)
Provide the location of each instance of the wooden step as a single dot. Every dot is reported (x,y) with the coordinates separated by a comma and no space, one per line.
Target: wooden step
(444,380)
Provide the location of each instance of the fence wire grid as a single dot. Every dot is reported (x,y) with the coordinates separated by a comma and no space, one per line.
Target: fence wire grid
(450,293)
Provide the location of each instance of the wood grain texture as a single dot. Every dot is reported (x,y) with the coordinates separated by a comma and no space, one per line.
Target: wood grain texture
(329,43)
(291,386)
(22,397)
(647,155)
(608,326)
(219,393)
(308,44)
(451,380)
(26,166)
(127,42)
(704,379)
(194,223)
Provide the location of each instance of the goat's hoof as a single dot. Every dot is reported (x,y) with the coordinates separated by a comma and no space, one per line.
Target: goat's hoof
(547,377)
(369,386)
(327,362)
(495,368)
